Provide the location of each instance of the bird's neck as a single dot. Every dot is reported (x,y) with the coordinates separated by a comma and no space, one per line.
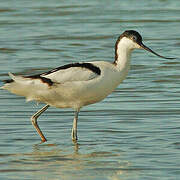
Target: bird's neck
(122,56)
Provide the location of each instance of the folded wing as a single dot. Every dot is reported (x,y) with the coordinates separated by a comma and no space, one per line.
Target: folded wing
(73,72)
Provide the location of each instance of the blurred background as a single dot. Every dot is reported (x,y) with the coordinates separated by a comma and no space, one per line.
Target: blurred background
(134,133)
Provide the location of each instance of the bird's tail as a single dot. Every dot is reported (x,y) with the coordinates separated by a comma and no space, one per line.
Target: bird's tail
(16,85)
(24,86)
(3,83)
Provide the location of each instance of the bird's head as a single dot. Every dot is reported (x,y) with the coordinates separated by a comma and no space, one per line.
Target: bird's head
(133,40)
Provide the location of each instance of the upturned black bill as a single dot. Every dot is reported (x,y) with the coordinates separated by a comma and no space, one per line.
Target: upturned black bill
(148,49)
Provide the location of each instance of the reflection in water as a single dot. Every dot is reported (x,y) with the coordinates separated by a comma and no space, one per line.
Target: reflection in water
(48,161)
(131,133)
(76,147)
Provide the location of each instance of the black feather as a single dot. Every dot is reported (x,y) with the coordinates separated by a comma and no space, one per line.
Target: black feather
(89,66)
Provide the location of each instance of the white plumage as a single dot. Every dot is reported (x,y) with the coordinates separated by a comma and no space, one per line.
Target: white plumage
(72,88)
(79,84)
(71,74)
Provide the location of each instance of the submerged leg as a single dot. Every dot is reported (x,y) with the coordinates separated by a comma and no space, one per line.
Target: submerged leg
(74,128)
(35,124)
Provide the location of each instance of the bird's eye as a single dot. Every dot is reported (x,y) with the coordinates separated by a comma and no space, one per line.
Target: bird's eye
(134,38)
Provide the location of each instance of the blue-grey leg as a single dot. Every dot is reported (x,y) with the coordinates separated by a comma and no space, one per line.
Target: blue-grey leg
(74,128)
(35,124)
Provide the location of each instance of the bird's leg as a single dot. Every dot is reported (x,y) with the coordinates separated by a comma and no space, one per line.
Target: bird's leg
(35,124)
(74,128)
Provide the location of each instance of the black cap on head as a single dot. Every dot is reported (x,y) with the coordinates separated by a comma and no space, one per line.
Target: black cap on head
(133,35)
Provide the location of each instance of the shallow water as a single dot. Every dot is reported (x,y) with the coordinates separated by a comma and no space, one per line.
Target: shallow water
(134,133)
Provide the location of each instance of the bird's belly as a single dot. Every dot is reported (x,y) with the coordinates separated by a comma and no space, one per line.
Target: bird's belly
(76,100)
(77,94)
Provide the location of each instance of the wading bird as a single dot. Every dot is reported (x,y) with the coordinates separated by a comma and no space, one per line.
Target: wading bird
(78,84)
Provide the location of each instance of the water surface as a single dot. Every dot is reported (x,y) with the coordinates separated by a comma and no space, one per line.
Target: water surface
(134,133)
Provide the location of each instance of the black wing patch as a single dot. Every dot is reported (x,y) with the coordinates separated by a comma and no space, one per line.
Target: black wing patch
(43,79)
(89,66)
(8,80)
